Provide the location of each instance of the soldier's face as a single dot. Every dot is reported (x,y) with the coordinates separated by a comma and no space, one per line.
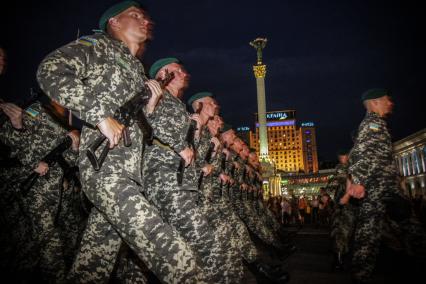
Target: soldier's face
(343,159)
(134,24)
(181,79)
(210,107)
(219,121)
(245,152)
(228,137)
(237,146)
(385,105)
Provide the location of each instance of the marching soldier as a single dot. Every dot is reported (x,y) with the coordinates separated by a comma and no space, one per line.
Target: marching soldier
(169,172)
(374,183)
(93,77)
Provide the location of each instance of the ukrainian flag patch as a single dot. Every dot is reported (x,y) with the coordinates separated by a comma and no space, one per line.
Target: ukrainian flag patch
(374,126)
(32,112)
(87,41)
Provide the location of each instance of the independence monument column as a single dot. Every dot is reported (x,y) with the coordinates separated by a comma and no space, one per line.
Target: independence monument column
(259,72)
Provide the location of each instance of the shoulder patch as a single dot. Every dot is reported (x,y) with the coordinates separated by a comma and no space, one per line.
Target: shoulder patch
(32,112)
(87,41)
(373,126)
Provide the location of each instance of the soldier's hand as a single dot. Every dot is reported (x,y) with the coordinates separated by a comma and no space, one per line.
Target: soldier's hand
(187,155)
(207,169)
(75,136)
(357,190)
(156,92)
(42,168)
(14,113)
(216,143)
(224,178)
(112,130)
(226,152)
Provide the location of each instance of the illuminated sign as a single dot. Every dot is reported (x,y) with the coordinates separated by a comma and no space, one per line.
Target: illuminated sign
(279,123)
(277,115)
(243,128)
(307,124)
(280,115)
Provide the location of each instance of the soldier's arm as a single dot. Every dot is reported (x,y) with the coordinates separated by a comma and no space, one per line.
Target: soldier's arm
(61,76)
(216,163)
(365,153)
(170,125)
(202,147)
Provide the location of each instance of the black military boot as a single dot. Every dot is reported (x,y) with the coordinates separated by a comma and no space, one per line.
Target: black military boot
(265,274)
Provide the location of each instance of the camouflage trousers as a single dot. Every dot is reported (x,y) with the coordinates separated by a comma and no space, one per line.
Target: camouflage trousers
(179,208)
(42,203)
(253,223)
(342,227)
(367,235)
(18,251)
(72,220)
(122,213)
(241,235)
(223,230)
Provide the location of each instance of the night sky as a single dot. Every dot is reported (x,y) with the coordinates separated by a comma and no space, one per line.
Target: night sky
(321,55)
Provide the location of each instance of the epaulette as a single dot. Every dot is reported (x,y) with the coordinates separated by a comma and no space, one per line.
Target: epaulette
(87,41)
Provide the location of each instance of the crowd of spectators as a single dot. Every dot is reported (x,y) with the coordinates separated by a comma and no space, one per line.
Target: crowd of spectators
(303,209)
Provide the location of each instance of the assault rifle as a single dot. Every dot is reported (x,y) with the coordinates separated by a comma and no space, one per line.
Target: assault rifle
(51,158)
(127,114)
(207,159)
(190,140)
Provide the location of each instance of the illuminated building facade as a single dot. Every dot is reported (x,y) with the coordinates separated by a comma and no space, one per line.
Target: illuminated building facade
(309,147)
(410,158)
(291,148)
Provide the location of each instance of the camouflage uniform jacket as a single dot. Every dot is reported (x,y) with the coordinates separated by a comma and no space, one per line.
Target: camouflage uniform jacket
(371,160)
(93,77)
(203,147)
(40,134)
(338,182)
(170,122)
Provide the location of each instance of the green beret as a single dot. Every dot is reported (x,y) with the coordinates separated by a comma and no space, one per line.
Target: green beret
(160,63)
(226,127)
(114,11)
(374,94)
(198,96)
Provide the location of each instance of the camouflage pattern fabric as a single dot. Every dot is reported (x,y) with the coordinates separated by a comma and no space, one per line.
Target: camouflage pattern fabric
(372,165)
(43,134)
(216,218)
(244,211)
(18,249)
(93,77)
(343,217)
(178,204)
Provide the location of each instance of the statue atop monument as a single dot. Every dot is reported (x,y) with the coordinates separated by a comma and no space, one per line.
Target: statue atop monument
(259,44)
